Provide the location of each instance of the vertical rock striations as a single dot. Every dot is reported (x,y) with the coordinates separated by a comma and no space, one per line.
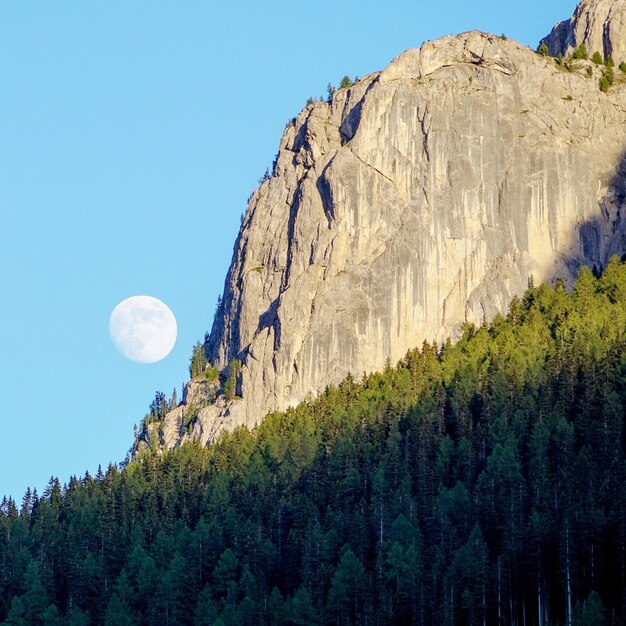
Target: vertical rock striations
(420,198)
(599,24)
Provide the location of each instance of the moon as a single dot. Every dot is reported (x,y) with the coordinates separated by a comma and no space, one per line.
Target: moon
(143,329)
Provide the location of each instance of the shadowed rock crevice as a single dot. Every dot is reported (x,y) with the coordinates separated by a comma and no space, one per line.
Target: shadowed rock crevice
(605,234)
(352,119)
(324,189)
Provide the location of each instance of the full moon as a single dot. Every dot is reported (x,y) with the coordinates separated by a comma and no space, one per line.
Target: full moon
(143,329)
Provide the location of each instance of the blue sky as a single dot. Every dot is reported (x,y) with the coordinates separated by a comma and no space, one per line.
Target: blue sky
(131,137)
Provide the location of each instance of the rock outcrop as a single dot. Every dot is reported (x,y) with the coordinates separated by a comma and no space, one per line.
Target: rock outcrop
(420,198)
(599,24)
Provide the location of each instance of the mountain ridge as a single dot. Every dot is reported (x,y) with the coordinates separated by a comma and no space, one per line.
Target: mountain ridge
(422,197)
(598,25)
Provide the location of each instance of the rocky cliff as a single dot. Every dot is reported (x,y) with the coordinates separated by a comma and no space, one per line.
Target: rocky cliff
(599,24)
(421,197)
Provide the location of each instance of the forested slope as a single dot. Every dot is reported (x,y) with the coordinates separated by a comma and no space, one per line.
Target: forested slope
(480,483)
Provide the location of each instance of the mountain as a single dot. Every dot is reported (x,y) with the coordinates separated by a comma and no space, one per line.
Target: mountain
(599,25)
(415,200)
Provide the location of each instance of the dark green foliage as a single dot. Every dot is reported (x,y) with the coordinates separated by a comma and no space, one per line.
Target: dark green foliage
(198,360)
(597,58)
(199,367)
(346,596)
(345,82)
(543,50)
(118,614)
(266,176)
(206,608)
(622,66)
(481,483)
(302,611)
(230,385)
(51,617)
(35,597)
(580,52)
(16,615)
(218,303)
(77,618)
(608,78)
(158,407)
(589,612)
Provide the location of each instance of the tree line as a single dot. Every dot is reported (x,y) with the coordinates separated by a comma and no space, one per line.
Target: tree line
(477,483)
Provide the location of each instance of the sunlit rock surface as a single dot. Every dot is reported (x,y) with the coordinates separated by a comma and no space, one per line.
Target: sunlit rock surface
(420,198)
(599,24)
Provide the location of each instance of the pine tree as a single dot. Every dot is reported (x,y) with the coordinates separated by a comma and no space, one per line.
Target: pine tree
(301,609)
(590,612)
(225,574)
(51,616)
(17,613)
(35,597)
(230,386)
(206,609)
(198,361)
(347,591)
(77,618)
(118,614)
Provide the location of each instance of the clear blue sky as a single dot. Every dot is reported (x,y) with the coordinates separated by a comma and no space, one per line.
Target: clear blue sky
(131,134)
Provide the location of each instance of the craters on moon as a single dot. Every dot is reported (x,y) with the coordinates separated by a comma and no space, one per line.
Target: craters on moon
(143,329)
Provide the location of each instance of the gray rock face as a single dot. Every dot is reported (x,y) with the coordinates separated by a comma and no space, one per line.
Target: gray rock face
(422,197)
(599,24)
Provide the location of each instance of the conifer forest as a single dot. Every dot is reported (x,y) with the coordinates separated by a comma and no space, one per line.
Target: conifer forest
(475,483)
